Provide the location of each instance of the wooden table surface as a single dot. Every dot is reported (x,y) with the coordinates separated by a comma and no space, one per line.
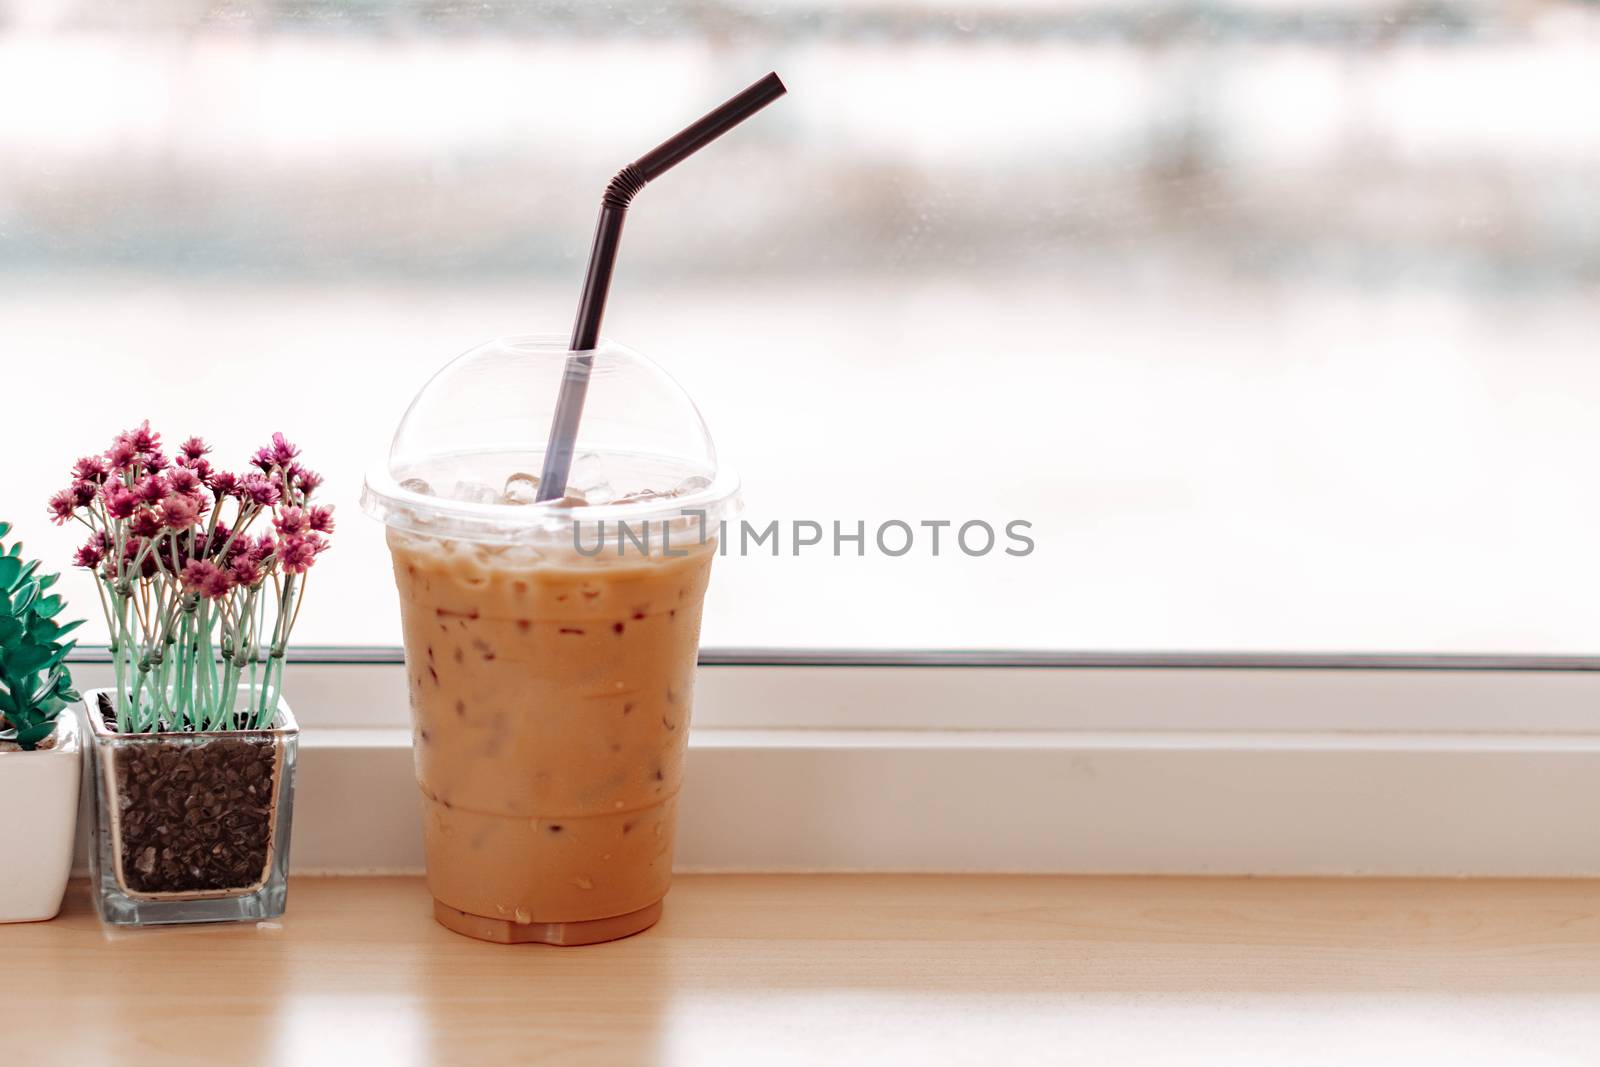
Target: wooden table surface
(815,969)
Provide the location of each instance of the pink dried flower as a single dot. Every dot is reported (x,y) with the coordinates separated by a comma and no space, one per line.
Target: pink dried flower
(206,578)
(92,469)
(291,522)
(217,585)
(194,448)
(219,537)
(259,490)
(120,501)
(322,519)
(223,483)
(62,506)
(145,523)
(200,467)
(183,480)
(121,455)
(281,451)
(154,462)
(298,553)
(143,438)
(93,551)
(83,493)
(262,548)
(245,572)
(306,480)
(195,572)
(180,511)
(151,489)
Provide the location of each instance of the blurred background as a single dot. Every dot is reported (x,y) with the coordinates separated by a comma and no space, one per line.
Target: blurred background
(1277,319)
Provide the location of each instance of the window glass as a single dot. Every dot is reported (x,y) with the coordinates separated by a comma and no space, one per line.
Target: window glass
(1274,320)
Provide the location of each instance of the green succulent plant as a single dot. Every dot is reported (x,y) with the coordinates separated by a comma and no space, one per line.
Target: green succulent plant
(34,682)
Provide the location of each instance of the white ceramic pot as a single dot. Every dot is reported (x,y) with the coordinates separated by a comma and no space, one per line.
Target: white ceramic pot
(39,796)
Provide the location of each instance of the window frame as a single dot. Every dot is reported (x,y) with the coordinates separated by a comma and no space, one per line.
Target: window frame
(933,689)
(1060,763)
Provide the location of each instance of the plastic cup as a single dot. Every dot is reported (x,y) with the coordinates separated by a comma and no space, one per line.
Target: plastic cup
(550,648)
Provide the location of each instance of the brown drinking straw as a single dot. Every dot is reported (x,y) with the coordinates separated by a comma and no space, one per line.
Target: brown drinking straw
(603,256)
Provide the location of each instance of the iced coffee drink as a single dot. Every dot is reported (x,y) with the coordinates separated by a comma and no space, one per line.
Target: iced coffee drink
(550,703)
(550,647)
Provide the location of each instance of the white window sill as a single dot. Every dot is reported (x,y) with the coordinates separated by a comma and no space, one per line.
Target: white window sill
(1147,770)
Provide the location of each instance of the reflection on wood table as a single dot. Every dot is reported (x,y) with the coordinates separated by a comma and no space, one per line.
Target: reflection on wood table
(876,969)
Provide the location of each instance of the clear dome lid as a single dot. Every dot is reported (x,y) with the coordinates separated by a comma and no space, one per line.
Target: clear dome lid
(466,457)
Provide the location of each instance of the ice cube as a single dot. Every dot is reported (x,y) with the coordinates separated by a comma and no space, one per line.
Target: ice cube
(521,488)
(589,479)
(588,469)
(475,493)
(417,485)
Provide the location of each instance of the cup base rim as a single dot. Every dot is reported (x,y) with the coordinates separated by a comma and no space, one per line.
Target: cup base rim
(507,932)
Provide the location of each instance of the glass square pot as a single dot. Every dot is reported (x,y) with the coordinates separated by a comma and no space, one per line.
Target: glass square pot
(190,827)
